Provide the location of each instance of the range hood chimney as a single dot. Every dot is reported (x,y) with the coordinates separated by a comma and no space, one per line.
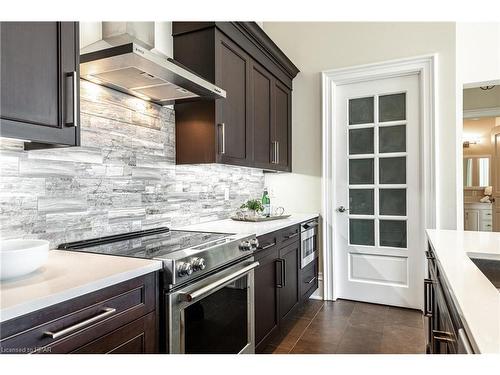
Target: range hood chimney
(132,57)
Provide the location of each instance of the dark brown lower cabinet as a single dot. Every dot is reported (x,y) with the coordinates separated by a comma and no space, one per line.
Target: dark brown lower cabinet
(444,326)
(118,319)
(279,282)
(289,291)
(308,280)
(266,295)
(133,338)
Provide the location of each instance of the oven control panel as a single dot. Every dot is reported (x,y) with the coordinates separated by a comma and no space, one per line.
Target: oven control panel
(249,245)
(193,265)
(194,262)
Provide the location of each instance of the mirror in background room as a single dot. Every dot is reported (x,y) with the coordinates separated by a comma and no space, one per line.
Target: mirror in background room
(481,158)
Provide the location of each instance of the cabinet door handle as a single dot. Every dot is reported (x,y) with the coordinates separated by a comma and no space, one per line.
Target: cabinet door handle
(292,235)
(274,160)
(277,152)
(74,77)
(283,269)
(279,284)
(267,246)
(107,311)
(427,298)
(222,147)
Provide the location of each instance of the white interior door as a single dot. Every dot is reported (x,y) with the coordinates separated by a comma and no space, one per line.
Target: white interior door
(378,232)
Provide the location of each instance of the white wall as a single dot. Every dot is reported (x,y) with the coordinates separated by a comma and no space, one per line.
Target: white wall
(319,46)
(478,51)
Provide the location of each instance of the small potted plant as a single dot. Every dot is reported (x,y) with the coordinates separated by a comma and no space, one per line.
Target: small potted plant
(253,207)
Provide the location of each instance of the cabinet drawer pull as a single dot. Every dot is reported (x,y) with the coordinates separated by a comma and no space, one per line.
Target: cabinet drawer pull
(443,339)
(267,246)
(292,235)
(442,336)
(107,311)
(311,281)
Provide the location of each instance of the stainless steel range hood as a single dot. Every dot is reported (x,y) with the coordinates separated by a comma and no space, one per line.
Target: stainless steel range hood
(125,60)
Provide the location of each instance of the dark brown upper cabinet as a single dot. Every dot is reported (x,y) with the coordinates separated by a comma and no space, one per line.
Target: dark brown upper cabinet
(252,126)
(40,83)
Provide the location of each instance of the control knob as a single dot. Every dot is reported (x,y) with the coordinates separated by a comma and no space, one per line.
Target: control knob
(245,246)
(198,264)
(254,243)
(184,269)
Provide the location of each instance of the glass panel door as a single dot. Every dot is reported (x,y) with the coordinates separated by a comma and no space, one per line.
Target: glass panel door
(377,170)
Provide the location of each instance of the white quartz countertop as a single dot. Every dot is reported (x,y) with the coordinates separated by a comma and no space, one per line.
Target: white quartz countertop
(67,275)
(243,227)
(476,297)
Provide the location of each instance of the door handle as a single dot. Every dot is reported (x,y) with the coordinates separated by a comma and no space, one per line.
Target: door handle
(342,209)
(275,158)
(292,235)
(107,311)
(222,148)
(427,298)
(74,81)
(442,336)
(311,281)
(188,297)
(267,246)
(279,272)
(283,269)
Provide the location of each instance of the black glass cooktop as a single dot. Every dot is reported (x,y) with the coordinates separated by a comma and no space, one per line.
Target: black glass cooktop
(155,243)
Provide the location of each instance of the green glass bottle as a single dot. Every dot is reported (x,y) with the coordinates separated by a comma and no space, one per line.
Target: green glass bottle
(266,202)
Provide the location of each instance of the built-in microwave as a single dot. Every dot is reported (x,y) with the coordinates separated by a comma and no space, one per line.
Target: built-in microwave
(308,242)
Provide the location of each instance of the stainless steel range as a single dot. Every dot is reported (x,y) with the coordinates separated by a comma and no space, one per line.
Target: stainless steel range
(207,285)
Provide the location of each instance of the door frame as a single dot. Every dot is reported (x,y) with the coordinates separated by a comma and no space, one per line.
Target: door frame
(425,68)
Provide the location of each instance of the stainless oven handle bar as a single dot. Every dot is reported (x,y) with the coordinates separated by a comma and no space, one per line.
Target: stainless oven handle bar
(189,297)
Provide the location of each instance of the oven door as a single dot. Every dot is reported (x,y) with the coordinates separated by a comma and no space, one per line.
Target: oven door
(216,314)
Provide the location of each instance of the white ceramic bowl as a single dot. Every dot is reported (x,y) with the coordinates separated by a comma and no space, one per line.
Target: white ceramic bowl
(19,257)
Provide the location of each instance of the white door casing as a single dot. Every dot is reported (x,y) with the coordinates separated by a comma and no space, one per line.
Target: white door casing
(381,274)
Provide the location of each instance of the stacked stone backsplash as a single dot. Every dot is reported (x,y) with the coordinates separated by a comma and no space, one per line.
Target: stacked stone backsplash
(122,178)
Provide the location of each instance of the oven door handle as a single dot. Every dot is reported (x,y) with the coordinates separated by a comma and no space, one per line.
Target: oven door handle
(189,297)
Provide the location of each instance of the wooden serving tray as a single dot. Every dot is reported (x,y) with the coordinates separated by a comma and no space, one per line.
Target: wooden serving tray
(257,219)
